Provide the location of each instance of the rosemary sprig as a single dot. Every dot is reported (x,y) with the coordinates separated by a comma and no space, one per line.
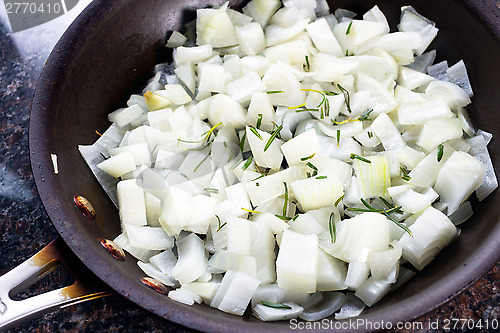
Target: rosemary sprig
(259,120)
(348,31)
(440,152)
(370,134)
(285,204)
(333,229)
(254,131)
(272,137)
(274,92)
(386,212)
(353,156)
(347,97)
(275,305)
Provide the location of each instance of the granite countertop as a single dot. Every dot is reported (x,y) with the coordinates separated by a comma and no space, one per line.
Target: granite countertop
(25,227)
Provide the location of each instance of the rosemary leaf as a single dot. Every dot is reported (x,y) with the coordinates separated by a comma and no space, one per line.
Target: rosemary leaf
(440,152)
(274,92)
(259,120)
(201,162)
(338,138)
(331,226)
(308,65)
(254,131)
(247,163)
(275,305)
(285,204)
(251,211)
(272,137)
(348,31)
(339,200)
(242,142)
(221,226)
(211,190)
(307,157)
(321,177)
(347,97)
(304,110)
(284,218)
(353,156)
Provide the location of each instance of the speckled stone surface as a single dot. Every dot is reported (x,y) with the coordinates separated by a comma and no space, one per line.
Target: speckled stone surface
(25,228)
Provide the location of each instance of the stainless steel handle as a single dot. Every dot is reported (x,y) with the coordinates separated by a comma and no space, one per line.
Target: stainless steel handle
(13,313)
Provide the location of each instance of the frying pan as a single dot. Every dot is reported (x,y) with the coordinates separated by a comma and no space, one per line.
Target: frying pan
(108,53)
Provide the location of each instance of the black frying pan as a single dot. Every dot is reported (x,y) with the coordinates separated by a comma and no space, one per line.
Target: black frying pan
(110,51)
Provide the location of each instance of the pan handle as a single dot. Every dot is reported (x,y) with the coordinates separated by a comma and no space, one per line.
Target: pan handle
(86,287)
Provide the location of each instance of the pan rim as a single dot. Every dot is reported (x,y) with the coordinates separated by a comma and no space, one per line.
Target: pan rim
(485,256)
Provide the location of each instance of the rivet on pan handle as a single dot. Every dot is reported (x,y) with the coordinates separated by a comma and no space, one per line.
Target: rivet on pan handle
(13,313)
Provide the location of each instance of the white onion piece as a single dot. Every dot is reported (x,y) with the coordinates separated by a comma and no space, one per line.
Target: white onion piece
(164,261)
(92,157)
(372,290)
(331,302)
(150,238)
(462,214)
(184,296)
(141,254)
(460,175)
(352,307)
(235,292)
(155,273)
(266,313)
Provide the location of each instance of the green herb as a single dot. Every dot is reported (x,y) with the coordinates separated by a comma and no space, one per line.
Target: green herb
(258,178)
(308,157)
(247,163)
(259,120)
(406,175)
(285,204)
(308,65)
(440,152)
(235,165)
(365,115)
(251,211)
(211,190)
(331,226)
(274,92)
(272,137)
(338,138)
(254,131)
(315,169)
(210,131)
(347,97)
(285,218)
(339,200)
(321,177)
(386,212)
(346,53)
(242,142)
(201,162)
(304,110)
(275,305)
(220,226)
(370,134)
(353,156)
(348,31)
